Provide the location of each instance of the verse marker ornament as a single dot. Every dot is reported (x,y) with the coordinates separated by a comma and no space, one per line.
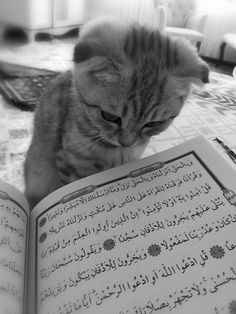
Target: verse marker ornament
(217,251)
(154,250)
(42,222)
(109,244)
(43,237)
(232,307)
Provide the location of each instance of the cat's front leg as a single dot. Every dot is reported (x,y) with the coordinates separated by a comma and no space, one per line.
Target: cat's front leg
(40,176)
(40,172)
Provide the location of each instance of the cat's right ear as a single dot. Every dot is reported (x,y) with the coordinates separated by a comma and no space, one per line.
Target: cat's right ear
(85,50)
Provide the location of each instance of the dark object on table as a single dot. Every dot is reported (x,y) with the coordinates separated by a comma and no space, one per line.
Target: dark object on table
(22,85)
(231,154)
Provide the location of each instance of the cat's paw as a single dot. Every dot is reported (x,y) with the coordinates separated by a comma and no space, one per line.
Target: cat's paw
(33,199)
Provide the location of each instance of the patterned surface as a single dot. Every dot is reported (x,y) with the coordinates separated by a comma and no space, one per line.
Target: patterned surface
(210,111)
(25,92)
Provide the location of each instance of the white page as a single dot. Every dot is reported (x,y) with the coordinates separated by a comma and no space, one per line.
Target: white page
(14,213)
(169,244)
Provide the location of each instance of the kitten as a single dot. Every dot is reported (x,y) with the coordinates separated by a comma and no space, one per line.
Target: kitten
(128,84)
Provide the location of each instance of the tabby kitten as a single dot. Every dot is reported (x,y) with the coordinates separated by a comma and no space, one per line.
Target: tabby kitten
(128,84)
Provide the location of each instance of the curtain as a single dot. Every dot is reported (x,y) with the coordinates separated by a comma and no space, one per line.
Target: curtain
(220,21)
(132,10)
(214,6)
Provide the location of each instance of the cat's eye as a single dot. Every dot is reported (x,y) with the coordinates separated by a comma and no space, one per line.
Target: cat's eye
(154,124)
(110,117)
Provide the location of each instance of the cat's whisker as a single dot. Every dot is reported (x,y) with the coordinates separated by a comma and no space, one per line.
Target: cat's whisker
(87,147)
(76,137)
(90,137)
(84,139)
(87,140)
(89,143)
(84,135)
(86,132)
(170,100)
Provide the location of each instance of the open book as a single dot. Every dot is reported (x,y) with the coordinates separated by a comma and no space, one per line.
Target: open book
(154,236)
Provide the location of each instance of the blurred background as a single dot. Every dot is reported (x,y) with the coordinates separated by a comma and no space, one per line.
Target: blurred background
(37,39)
(31,20)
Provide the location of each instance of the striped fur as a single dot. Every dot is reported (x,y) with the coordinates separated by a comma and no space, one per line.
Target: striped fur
(128,83)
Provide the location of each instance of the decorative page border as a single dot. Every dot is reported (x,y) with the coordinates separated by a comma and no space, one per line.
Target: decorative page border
(228,194)
(6,197)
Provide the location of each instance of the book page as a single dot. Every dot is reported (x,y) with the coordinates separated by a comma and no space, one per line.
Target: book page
(14,213)
(154,236)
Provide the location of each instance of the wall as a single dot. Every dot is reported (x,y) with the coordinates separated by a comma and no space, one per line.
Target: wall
(13,12)
(221,19)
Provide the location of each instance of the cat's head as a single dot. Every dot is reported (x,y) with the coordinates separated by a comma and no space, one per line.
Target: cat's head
(132,81)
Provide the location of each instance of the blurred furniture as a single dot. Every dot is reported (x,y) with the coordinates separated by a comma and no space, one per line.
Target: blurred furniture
(159,17)
(220,21)
(45,16)
(141,11)
(234,72)
(22,85)
(181,19)
(230,40)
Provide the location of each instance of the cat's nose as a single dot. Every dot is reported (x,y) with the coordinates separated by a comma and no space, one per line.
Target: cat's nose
(127,140)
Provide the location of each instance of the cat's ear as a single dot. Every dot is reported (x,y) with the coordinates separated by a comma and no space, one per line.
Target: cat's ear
(105,75)
(198,73)
(100,66)
(85,50)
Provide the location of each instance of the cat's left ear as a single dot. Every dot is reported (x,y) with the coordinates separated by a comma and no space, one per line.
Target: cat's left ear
(95,58)
(85,50)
